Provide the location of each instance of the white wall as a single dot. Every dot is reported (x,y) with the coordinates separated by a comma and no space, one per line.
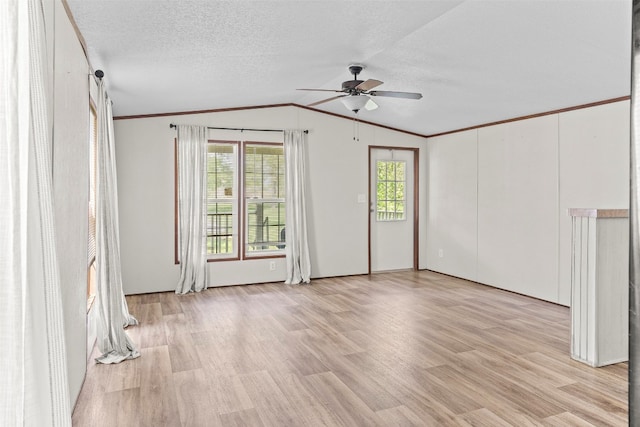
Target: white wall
(594,169)
(338,172)
(525,174)
(71,184)
(518,205)
(452,207)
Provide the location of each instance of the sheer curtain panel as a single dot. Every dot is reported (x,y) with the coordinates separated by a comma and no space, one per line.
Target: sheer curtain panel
(297,246)
(112,312)
(192,208)
(33,375)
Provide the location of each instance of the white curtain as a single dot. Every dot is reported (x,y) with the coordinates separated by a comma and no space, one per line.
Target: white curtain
(33,377)
(112,312)
(297,246)
(192,208)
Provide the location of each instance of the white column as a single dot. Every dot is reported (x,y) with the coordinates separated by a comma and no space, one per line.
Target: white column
(599,286)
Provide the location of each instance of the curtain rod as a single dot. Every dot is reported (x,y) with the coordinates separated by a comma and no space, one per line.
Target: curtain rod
(172,126)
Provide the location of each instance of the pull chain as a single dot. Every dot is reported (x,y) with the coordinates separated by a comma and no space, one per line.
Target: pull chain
(356,128)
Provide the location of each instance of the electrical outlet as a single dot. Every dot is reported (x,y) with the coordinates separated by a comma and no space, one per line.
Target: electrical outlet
(272,266)
(441,253)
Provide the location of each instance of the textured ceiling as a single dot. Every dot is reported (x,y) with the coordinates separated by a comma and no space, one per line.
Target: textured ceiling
(475,61)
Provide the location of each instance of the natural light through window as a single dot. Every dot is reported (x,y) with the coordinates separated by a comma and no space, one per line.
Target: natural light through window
(390,190)
(264,195)
(245,185)
(222,199)
(91,248)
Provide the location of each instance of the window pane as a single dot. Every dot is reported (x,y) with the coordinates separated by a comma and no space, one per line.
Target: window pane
(265,226)
(220,225)
(382,170)
(390,190)
(391,171)
(221,167)
(264,192)
(381,210)
(281,185)
(400,191)
(400,171)
(381,191)
(264,171)
(222,199)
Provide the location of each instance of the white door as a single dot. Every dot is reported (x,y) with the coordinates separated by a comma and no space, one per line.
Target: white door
(391,234)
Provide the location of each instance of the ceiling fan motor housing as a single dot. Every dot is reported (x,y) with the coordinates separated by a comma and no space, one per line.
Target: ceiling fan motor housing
(350,85)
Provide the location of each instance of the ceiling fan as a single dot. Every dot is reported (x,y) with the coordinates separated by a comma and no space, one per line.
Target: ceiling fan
(356,94)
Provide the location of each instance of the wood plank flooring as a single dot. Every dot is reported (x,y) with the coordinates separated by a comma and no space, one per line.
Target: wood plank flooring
(392,349)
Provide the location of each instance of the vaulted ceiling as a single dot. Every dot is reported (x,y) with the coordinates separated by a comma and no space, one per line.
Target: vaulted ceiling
(474,61)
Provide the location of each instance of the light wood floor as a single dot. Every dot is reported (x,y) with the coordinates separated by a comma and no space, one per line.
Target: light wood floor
(393,349)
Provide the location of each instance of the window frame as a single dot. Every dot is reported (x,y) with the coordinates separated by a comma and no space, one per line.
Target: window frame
(241,202)
(237,254)
(274,253)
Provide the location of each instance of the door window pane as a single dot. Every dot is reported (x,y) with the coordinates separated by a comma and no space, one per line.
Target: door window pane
(390,190)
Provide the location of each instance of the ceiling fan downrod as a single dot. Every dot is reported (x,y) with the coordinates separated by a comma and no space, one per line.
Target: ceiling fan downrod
(355,69)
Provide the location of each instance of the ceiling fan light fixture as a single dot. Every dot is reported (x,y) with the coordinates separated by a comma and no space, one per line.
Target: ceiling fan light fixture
(356,94)
(355,102)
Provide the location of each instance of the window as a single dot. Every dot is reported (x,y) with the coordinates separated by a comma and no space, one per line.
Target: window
(245,180)
(222,199)
(264,198)
(91,244)
(390,190)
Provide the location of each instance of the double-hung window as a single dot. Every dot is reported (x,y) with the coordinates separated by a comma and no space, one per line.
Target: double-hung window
(245,200)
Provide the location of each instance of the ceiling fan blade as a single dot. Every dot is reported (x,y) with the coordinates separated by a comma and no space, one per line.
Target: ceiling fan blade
(326,100)
(370,105)
(392,94)
(322,90)
(369,84)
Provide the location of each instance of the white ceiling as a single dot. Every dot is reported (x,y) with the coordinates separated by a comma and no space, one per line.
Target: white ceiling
(475,61)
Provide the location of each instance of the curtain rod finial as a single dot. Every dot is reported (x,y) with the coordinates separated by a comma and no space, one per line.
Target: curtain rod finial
(99,74)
